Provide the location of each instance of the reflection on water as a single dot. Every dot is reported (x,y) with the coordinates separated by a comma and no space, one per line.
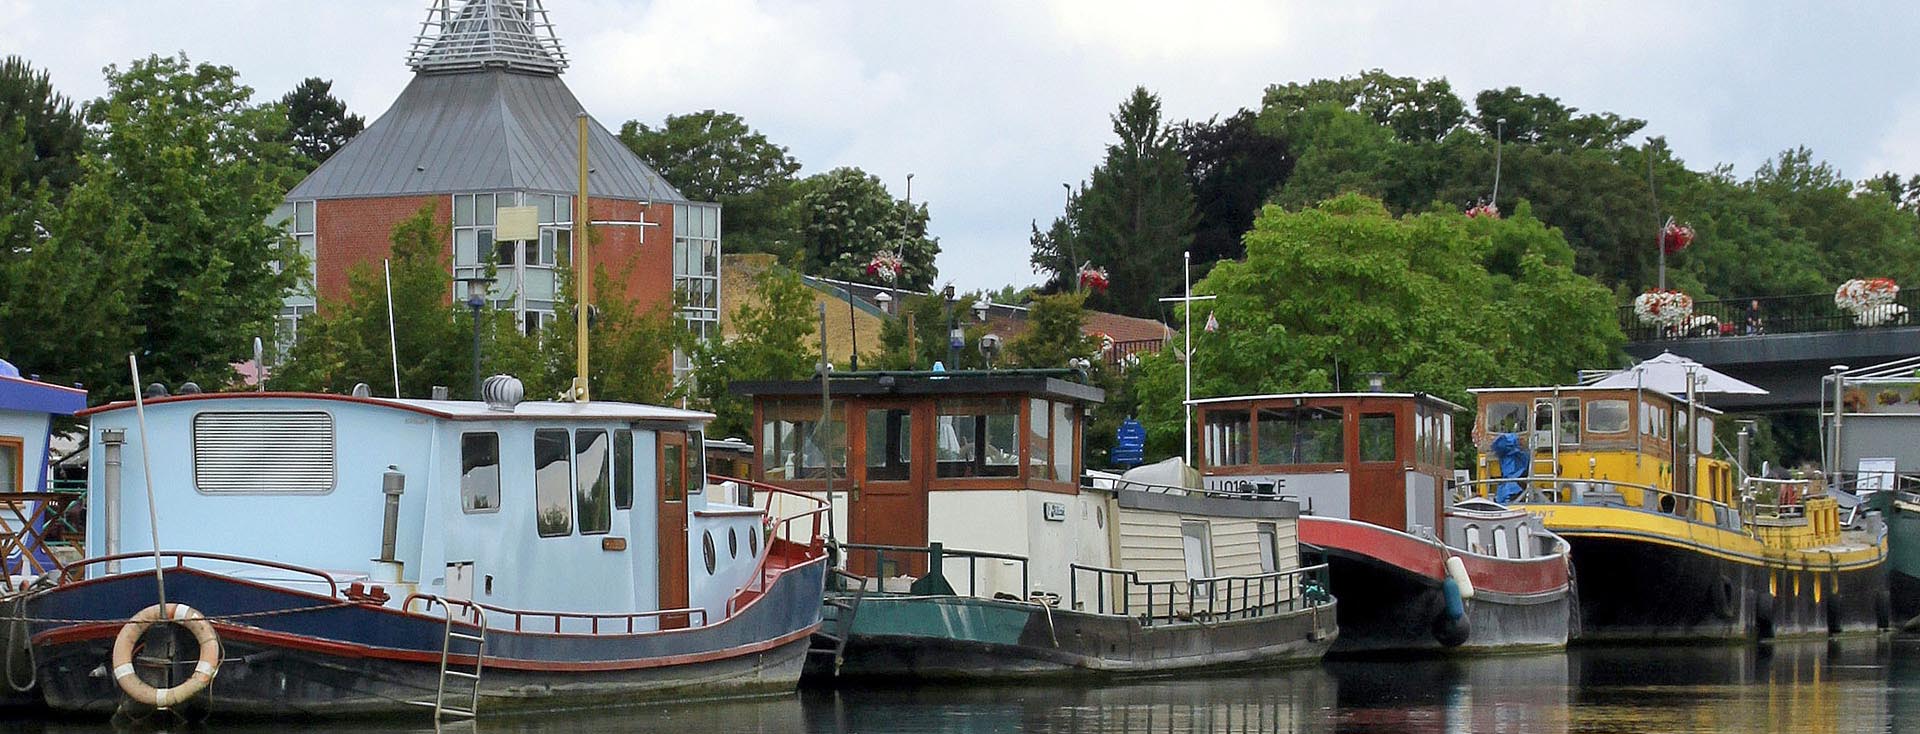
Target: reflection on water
(1861,685)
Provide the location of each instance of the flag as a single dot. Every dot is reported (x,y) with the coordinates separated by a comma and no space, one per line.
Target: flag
(1213,324)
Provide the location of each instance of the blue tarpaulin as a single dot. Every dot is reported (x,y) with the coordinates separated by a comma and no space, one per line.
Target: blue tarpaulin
(1514,460)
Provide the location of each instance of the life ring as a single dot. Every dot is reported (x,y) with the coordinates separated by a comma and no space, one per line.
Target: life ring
(203,670)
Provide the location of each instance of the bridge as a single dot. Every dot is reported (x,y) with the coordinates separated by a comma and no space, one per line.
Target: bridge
(1785,344)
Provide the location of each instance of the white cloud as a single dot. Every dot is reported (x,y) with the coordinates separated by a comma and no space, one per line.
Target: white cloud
(1899,149)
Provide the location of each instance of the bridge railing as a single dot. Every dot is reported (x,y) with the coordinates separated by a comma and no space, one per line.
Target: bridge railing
(1773,315)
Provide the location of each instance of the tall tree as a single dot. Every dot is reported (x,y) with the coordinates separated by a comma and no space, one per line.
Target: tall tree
(1136,214)
(1232,166)
(715,156)
(1054,336)
(318,124)
(848,216)
(770,342)
(41,136)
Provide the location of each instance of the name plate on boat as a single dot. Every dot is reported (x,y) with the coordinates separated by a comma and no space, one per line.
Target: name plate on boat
(1053,511)
(613,544)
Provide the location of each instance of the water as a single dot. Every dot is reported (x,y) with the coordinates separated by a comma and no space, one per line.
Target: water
(1851,686)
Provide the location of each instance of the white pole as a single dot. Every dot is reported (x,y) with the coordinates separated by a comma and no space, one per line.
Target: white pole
(1186,427)
(146,472)
(393,339)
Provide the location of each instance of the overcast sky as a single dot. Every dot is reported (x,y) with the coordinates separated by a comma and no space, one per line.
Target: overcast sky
(992,104)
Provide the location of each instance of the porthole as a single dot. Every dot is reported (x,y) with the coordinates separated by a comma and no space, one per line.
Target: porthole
(733,544)
(753,544)
(706,545)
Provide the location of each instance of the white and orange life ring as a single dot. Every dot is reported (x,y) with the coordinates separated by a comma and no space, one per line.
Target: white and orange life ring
(203,670)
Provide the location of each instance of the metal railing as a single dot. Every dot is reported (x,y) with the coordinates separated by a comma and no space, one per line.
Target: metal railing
(1773,315)
(1123,349)
(1548,489)
(1244,491)
(76,571)
(1205,598)
(593,620)
(936,556)
(773,499)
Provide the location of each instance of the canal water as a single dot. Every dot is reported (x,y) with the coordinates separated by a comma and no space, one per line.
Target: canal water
(1850,686)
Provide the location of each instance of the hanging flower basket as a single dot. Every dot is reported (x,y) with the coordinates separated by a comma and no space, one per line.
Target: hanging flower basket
(886,265)
(1663,308)
(1486,210)
(1675,236)
(1093,278)
(1870,300)
(1104,340)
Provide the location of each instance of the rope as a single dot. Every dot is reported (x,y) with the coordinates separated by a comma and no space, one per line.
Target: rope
(18,629)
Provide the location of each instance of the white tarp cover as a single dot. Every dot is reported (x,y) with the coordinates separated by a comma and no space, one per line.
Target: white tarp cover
(1668,374)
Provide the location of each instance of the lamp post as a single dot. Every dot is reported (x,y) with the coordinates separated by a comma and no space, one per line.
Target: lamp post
(1066,220)
(477,287)
(955,339)
(990,348)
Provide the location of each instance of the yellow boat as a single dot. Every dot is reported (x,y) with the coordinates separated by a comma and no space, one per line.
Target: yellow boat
(1670,541)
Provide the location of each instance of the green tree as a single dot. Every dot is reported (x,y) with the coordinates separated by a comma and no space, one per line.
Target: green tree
(848,216)
(1135,216)
(1232,166)
(1054,335)
(318,124)
(715,156)
(348,343)
(926,318)
(196,158)
(770,342)
(630,357)
(41,136)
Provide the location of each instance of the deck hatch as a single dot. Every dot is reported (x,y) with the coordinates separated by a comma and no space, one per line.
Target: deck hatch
(263,452)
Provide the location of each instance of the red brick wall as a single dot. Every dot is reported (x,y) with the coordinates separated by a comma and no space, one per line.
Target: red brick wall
(354,231)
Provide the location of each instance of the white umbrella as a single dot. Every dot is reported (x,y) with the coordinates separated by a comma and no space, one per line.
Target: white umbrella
(1668,373)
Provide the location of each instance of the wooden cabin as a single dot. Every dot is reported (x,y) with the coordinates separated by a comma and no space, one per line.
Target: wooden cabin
(1377,457)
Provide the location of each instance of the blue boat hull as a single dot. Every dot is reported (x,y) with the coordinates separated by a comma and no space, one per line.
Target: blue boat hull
(316,656)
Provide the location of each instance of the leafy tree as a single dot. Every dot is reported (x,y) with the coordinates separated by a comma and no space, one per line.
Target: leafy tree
(848,216)
(1414,111)
(347,342)
(1232,167)
(1053,335)
(1346,288)
(1540,119)
(715,156)
(1135,216)
(926,318)
(631,348)
(318,124)
(770,343)
(41,136)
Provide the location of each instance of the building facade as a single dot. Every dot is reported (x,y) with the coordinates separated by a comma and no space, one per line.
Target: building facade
(487,124)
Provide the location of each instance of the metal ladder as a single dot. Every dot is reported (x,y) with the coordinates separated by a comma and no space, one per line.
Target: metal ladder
(441,708)
(844,612)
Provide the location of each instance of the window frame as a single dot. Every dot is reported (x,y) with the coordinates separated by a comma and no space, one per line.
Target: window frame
(466,506)
(604,480)
(623,466)
(566,488)
(19,446)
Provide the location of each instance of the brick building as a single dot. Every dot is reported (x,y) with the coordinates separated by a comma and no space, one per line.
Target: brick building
(488,124)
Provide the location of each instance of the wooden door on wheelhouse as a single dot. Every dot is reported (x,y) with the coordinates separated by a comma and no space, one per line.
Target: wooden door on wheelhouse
(889,497)
(677,462)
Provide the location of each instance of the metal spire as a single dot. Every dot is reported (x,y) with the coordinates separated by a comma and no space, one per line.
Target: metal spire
(480,34)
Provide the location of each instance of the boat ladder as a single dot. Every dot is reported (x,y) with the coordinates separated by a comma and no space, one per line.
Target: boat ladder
(844,611)
(456,685)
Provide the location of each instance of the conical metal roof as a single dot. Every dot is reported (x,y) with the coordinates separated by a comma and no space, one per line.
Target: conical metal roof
(479,34)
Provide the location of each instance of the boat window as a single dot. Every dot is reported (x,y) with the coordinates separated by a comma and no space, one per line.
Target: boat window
(1526,542)
(1269,547)
(706,550)
(1607,416)
(1302,436)
(1446,439)
(1543,418)
(1421,446)
(697,459)
(593,480)
(1196,543)
(1506,417)
(1500,548)
(1704,429)
(479,472)
(889,444)
(1475,544)
(1226,434)
(978,438)
(1039,435)
(1376,437)
(552,482)
(263,452)
(794,446)
(1065,450)
(12,476)
(623,467)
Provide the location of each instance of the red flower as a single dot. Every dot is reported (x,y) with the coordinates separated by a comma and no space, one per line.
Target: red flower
(1675,237)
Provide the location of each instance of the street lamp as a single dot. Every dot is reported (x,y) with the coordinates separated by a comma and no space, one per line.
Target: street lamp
(955,339)
(980,309)
(477,287)
(885,300)
(990,347)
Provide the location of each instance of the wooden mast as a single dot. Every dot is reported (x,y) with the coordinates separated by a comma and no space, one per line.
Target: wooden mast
(582,274)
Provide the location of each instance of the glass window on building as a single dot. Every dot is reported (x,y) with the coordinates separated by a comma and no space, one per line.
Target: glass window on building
(977,438)
(299,219)
(889,435)
(696,271)
(1302,436)
(1065,451)
(795,446)
(1376,437)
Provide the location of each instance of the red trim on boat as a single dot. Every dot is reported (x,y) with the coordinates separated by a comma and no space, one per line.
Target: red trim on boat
(1428,558)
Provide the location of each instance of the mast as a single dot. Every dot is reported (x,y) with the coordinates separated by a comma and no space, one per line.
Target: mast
(582,275)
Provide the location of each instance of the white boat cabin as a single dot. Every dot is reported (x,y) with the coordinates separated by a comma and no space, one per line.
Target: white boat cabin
(590,508)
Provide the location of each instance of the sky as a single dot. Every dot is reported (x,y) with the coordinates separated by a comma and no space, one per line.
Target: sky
(993,104)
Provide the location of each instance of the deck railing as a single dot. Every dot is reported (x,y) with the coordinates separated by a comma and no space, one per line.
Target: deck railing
(1123,349)
(593,622)
(1773,315)
(936,558)
(1605,492)
(1216,598)
(789,511)
(77,570)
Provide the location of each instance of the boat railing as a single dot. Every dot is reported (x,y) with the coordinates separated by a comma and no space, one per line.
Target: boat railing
(1550,489)
(936,558)
(29,526)
(1247,491)
(1183,600)
(774,500)
(77,570)
(622,622)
